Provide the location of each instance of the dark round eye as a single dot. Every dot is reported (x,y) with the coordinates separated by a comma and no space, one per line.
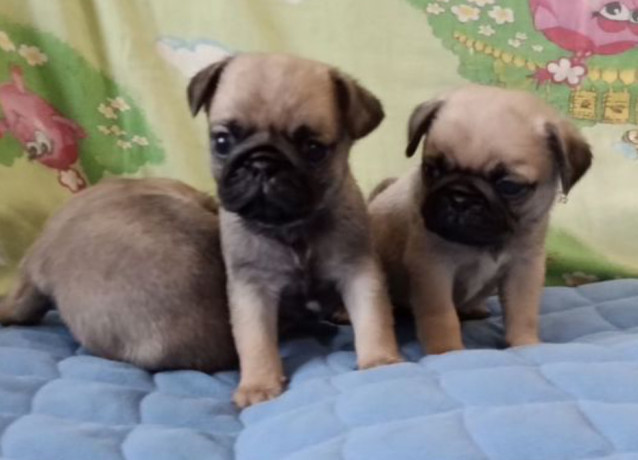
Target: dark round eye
(615,11)
(510,188)
(222,142)
(314,151)
(434,169)
(634,16)
(33,148)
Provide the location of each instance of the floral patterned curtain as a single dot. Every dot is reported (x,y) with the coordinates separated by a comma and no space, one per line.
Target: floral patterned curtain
(93,88)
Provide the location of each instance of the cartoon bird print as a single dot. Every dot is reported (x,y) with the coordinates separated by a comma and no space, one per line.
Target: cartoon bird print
(46,135)
(584,28)
(628,147)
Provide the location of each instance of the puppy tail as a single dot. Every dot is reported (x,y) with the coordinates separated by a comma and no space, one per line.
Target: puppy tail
(381,186)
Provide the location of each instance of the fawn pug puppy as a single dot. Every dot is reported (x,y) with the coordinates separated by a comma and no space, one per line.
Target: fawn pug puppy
(135,269)
(472,218)
(294,223)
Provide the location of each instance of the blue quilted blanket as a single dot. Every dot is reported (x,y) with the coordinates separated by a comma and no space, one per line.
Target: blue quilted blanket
(575,397)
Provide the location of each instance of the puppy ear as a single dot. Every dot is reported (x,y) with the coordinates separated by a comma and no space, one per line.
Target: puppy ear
(420,123)
(361,110)
(571,152)
(203,85)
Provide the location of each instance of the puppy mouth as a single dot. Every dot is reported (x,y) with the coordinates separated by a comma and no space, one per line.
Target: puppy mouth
(463,213)
(263,186)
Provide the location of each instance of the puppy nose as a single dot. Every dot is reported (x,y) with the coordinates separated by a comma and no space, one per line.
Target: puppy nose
(462,201)
(459,200)
(264,164)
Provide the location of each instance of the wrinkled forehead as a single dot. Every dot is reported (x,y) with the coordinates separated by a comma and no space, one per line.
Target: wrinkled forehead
(482,140)
(278,93)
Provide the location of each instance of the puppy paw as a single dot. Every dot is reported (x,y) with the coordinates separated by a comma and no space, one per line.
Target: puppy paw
(377,361)
(440,348)
(523,341)
(247,395)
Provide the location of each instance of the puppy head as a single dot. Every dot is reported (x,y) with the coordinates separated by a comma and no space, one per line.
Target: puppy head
(280,128)
(492,162)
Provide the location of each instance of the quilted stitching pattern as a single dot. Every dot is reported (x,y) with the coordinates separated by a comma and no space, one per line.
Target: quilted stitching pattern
(575,397)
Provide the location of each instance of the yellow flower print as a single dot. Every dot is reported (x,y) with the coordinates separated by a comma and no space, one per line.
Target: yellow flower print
(435,9)
(107,111)
(5,42)
(466,13)
(117,131)
(140,140)
(32,55)
(124,145)
(120,104)
(482,2)
(501,15)
(486,30)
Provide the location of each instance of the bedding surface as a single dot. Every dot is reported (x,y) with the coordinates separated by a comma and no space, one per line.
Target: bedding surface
(574,397)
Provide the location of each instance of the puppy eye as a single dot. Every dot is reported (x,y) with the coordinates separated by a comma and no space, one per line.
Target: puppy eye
(314,151)
(222,141)
(511,189)
(434,169)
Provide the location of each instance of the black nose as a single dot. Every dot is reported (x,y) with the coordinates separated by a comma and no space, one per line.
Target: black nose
(265,163)
(460,201)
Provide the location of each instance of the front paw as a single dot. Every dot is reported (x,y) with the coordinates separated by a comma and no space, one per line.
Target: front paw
(523,340)
(376,361)
(249,394)
(442,346)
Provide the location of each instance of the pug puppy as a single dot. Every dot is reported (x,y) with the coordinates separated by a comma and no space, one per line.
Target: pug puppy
(294,224)
(471,219)
(136,272)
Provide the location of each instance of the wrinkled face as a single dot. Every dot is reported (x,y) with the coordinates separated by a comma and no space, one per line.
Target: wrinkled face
(488,173)
(276,142)
(476,208)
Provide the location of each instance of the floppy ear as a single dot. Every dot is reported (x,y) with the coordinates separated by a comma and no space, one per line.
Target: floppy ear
(361,111)
(203,85)
(420,123)
(570,151)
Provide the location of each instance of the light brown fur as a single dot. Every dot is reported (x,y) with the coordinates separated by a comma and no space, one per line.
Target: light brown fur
(135,269)
(476,128)
(274,95)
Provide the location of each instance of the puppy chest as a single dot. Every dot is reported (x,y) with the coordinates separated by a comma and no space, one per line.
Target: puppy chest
(307,293)
(477,278)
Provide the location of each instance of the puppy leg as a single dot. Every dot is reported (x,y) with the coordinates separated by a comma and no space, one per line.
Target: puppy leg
(254,322)
(24,305)
(520,295)
(370,312)
(437,323)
